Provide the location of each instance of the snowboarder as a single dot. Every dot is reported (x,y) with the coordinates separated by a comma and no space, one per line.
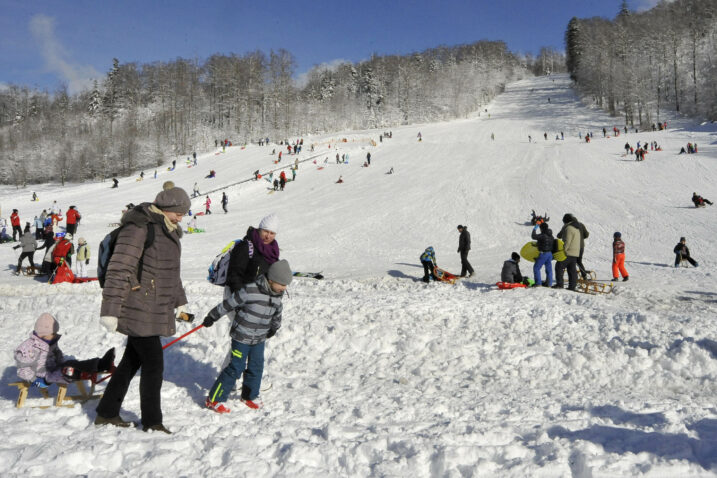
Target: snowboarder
(618,258)
(225,201)
(682,253)
(428,261)
(258,317)
(464,246)
(545,249)
(511,270)
(83,257)
(41,362)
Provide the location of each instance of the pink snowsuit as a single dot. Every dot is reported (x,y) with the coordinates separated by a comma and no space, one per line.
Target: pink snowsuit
(36,358)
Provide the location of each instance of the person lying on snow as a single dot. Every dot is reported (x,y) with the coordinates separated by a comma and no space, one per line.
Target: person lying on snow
(40,361)
(428,260)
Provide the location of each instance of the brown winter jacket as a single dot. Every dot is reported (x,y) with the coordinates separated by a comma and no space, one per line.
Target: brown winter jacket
(144,308)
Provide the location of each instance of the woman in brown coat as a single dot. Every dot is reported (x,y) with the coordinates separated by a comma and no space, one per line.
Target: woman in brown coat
(142,295)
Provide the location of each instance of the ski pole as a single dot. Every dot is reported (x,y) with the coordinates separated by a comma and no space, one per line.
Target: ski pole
(181,337)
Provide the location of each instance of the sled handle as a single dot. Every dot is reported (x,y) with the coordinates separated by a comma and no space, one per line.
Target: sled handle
(181,337)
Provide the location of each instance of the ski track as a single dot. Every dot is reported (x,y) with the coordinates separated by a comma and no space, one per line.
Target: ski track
(375,373)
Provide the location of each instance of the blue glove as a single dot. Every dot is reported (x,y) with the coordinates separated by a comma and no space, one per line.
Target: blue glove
(40,383)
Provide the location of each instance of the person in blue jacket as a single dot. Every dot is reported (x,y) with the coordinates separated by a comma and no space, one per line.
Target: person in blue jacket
(428,260)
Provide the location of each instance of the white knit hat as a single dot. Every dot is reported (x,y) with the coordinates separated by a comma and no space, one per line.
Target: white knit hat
(270,223)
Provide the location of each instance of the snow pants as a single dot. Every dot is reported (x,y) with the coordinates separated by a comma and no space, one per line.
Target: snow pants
(544,259)
(618,264)
(679,258)
(16,230)
(145,352)
(428,271)
(571,265)
(246,360)
(30,256)
(81,269)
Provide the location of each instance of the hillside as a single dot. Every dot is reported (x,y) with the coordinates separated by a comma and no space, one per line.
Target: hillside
(375,373)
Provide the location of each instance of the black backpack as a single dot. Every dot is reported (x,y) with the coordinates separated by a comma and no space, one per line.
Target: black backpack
(107,248)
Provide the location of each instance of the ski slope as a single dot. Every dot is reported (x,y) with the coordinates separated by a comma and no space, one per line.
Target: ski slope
(375,373)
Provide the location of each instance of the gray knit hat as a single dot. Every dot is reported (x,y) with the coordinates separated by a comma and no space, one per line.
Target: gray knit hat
(173,200)
(280,272)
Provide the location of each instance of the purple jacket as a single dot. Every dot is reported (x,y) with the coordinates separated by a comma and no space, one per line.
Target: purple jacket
(36,358)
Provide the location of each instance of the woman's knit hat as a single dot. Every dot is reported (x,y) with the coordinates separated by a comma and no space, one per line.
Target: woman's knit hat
(173,200)
(270,223)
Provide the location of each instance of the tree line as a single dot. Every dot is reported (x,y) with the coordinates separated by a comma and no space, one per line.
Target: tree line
(140,115)
(641,64)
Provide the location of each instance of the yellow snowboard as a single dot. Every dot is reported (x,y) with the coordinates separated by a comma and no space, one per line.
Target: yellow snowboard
(529,252)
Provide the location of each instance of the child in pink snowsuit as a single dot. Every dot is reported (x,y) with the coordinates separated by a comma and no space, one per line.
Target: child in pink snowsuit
(40,361)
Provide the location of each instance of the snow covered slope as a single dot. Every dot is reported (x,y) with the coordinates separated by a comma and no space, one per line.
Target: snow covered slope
(377,374)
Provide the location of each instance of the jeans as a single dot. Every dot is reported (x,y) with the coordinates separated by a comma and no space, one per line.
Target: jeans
(247,360)
(544,259)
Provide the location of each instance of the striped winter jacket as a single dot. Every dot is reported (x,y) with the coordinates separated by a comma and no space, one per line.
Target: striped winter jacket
(258,311)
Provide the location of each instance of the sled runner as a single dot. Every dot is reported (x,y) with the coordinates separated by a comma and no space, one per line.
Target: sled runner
(445,276)
(60,399)
(593,287)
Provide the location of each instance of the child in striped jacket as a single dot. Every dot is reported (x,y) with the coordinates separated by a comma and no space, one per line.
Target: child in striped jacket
(258,316)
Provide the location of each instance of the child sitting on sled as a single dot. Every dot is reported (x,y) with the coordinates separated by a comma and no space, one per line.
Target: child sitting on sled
(40,361)
(428,260)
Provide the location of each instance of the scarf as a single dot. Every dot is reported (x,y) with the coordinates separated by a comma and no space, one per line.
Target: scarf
(270,251)
(171,227)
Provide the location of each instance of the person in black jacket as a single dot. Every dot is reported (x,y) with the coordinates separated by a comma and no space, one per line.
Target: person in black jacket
(464,245)
(253,256)
(511,270)
(545,248)
(682,253)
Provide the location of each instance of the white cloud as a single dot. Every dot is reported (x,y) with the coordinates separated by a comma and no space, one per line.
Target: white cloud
(303,78)
(642,5)
(57,59)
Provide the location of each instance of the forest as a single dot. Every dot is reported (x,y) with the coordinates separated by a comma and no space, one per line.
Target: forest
(640,65)
(142,115)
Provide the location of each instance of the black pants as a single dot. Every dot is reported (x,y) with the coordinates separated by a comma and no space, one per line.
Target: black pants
(679,258)
(571,264)
(30,255)
(145,352)
(583,272)
(224,206)
(465,265)
(428,271)
(16,230)
(71,229)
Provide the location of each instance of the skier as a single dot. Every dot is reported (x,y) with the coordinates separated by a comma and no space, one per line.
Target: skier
(258,315)
(15,223)
(511,270)
(699,201)
(225,201)
(545,258)
(618,258)
(464,246)
(428,261)
(208,205)
(28,244)
(41,362)
(682,253)
(174,164)
(83,257)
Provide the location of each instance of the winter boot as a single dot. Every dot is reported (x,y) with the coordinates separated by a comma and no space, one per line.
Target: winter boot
(116,421)
(624,279)
(255,403)
(216,406)
(157,428)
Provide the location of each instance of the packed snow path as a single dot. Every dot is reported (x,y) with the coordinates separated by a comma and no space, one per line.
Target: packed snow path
(375,373)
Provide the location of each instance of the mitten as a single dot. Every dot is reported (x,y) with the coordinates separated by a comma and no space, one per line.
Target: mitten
(208,321)
(271,333)
(87,262)
(109,322)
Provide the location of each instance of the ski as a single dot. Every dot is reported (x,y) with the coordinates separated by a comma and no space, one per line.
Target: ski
(311,275)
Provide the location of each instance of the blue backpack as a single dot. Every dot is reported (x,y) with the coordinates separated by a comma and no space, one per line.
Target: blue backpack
(107,248)
(219,269)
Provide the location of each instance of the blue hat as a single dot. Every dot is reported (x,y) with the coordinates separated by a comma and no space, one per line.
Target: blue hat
(617,235)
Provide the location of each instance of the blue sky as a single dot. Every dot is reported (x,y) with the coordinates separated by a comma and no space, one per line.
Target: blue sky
(47,42)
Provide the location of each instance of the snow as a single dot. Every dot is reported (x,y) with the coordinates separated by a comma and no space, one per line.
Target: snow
(375,373)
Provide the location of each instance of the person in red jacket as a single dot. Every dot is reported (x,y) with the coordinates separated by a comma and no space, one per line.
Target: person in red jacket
(15,222)
(73,218)
(618,258)
(63,250)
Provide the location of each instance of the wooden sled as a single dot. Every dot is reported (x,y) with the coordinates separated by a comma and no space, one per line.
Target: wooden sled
(61,399)
(592,287)
(444,276)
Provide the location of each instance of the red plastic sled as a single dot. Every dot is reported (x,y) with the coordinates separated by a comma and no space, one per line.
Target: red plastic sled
(510,285)
(64,274)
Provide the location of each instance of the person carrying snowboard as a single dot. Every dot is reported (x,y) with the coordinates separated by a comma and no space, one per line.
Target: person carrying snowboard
(428,260)
(618,258)
(682,253)
(258,314)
